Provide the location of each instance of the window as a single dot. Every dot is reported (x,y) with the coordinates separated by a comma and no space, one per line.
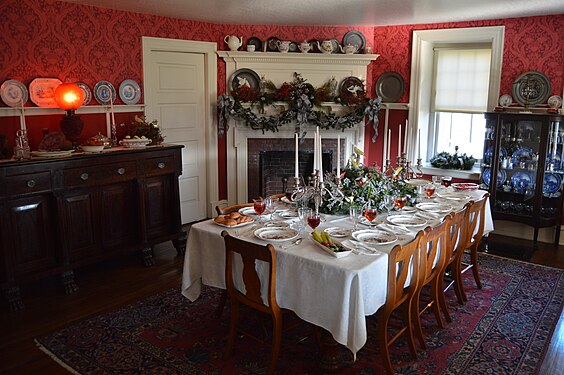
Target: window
(461,82)
(449,91)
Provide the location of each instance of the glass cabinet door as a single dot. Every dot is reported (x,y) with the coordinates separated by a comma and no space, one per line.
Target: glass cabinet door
(553,170)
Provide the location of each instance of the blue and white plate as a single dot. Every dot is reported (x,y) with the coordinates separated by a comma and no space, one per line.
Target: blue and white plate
(521,181)
(86,91)
(556,162)
(14,93)
(105,93)
(129,92)
(489,152)
(521,154)
(552,183)
(501,177)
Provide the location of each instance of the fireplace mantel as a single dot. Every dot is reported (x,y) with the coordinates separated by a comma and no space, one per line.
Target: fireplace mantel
(279,68)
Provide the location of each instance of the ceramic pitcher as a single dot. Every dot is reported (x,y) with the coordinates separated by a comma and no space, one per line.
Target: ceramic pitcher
(233,42)
(283,45)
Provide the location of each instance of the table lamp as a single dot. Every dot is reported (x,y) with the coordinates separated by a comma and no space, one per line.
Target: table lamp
(69,96)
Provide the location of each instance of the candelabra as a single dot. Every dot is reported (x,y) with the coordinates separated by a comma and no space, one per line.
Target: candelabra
(315,190)
(404,169)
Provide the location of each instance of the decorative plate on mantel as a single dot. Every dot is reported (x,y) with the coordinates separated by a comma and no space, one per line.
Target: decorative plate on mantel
(243,77)
(531,88)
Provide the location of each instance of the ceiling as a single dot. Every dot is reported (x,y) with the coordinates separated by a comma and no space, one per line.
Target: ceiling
(334,12)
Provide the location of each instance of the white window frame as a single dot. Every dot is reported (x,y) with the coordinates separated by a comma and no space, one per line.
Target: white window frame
(421,81)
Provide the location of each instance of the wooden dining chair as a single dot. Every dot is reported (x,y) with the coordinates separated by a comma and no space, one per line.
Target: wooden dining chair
(252,297)
(432,258)
(476,223)
(457,236)
(230,209)
(402,284)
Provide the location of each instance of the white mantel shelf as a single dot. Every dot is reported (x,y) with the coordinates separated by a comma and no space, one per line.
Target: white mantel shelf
(294,57)
(89,109)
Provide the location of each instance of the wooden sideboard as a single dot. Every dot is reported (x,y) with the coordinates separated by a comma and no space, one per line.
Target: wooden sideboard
(61,213)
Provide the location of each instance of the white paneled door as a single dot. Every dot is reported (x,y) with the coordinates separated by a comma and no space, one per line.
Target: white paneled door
(177,100)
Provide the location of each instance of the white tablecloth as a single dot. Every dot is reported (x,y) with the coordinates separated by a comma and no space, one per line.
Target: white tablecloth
(333,293)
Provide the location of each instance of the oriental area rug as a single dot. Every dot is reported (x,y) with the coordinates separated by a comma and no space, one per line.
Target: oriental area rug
(504,328)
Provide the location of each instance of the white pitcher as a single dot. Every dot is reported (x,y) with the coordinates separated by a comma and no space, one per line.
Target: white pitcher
(233,42)
(304,47)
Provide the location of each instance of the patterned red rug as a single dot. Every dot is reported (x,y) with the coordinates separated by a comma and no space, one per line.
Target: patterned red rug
(502,329)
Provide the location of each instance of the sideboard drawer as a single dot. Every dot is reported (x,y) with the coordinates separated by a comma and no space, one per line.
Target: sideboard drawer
(93,175)
(28,183)
(159,165)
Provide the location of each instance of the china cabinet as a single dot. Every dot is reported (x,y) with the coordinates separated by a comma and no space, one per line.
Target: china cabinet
(522,168)
(62,213)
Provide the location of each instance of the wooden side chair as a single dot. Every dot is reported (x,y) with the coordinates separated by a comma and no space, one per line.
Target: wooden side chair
(230,209)
(432,258)
(476,221)
(400,292)
(457,236)
(250,253)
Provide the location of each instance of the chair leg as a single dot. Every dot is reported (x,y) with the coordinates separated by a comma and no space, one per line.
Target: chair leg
(276,341)
(222,302)
(458,286)
(232,329)
(416,320)
(474,259)
(442,299)
(409,332)
(383,342)
(435,302)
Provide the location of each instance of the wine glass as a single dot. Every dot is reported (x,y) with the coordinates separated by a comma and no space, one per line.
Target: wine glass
(370,213)
(400,201)
(314,220)
(303,214)
(259,206)
(389,202)
(446,180)
(430,190)
(353,214)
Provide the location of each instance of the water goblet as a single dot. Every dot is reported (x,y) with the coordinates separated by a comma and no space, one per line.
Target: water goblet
(370,213)
(400,202)
(353,214)
(303,214)
(389,202)
(430,190)
(436,180)
(446,180)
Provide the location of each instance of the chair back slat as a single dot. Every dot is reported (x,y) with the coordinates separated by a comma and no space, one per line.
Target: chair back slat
(457,233)
(476,220)
(433,251)
(403,262)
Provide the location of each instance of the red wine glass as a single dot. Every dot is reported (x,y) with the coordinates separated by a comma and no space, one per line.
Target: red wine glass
(429,190)
(314,220)
(400,201)
(370,213)
(259,205)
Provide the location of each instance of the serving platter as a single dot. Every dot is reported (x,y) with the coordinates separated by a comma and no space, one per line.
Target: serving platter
(390,86)
(14,93)
(337,254)
(42,92)
(239,225)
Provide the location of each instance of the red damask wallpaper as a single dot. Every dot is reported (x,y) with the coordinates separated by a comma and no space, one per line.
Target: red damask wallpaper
(48,38)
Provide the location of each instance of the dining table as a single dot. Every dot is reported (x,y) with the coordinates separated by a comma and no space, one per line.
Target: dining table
(333,292)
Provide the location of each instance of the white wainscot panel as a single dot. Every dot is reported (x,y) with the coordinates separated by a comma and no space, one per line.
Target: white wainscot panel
(176,77)
(189,189)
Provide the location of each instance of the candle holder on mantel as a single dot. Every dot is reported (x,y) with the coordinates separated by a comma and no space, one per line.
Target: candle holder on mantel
(404,169)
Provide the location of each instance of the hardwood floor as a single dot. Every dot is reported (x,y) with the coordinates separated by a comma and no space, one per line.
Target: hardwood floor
(123,281)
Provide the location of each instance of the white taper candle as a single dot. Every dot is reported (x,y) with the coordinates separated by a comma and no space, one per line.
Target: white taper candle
(296,167)
(399,141)
(338,155)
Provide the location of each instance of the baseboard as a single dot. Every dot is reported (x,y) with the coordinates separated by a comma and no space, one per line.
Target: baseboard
(518,230)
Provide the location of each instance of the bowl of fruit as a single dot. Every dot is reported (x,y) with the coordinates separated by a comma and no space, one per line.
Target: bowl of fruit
(326,243)
(135,142)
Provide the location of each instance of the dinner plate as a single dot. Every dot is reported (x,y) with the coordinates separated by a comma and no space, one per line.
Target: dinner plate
(406,220)
(276,234)
(247,211)
(390,86)
(552,183)
(351,85)
(104,93)
(337,232)
(362,250)
(521,181)
(501,177)
(276,224)
(236,225)
(531,88)
(337,254)
(489,152)
(86,91)
(374,237)
(393,228)
(14,93)
(355,38)
(42,92)
(505,100)
(287,214)
(254,41)
(522,154)
(434,207)
(465,186)
(243,77)
(51,154)
(129,92)
(454,195)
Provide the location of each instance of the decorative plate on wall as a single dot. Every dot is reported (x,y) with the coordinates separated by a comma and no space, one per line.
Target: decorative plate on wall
(129,92)
(13,93)
(355,38)
(531,88)
(351,86)
(243,77)
(42,91)
(86,91)
(105,93)
(390,87)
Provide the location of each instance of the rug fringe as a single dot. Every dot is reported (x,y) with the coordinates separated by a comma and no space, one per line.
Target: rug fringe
(55,358)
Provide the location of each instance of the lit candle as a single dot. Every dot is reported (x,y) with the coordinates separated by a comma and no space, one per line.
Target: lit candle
(399,141)
(22,117)
(315,149)
(320,158)
(338,155)
(419,145)
(112,109)
(296,173)
(389,140)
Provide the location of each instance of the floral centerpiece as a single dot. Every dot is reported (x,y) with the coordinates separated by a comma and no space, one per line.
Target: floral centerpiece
(140,128)
(444,160)
(362,184)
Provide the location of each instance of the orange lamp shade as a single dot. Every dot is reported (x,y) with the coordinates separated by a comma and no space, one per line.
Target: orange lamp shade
(69,96)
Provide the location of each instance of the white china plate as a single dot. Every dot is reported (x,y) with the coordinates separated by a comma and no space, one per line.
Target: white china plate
(364,221)
(337,232)
(86,91)
(406,220)
(373,237)
(287,214)
(456,196)
(51,154)
(247,211)
(105,93)
(276,224)
(236,225)
(339,254)
(129,92)
(13,93)
(554,101)
(276,234)
(42,92)
(434,207)
(505,100)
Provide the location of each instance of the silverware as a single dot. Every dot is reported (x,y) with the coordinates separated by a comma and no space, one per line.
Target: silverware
(293,243)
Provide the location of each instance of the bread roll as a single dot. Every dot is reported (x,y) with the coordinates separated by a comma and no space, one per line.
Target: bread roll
(234,215)
(230,222)
(219,220)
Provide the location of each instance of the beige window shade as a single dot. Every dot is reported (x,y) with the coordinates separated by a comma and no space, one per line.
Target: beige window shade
(462,80)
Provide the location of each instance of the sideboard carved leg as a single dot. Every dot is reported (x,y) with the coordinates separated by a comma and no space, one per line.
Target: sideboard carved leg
(13,296)
(68,282)
(147,255)
(180,243)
